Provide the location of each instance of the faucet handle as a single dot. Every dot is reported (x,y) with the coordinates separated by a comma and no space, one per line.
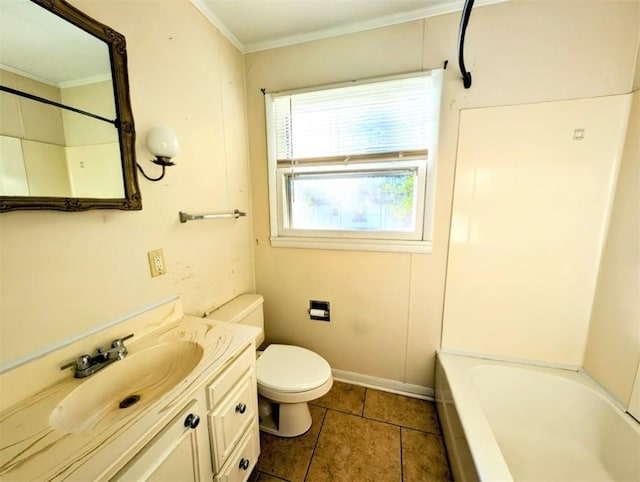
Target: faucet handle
(118,342)
(80,363)
(117,347)
(83,362)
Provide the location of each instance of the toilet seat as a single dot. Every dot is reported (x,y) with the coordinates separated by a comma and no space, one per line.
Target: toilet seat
(291,369)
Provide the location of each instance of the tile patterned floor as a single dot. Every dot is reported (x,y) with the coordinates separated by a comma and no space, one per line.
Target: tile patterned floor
(359,434)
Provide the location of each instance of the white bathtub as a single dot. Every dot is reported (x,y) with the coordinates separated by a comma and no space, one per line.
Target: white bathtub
(505,421)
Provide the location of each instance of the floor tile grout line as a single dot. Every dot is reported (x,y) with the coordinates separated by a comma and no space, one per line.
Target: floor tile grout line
(403,426)
(346,412)
(273,475)
(276,476)
(364,402)
(436,434)
(401,457)
(324,417)
(362,415)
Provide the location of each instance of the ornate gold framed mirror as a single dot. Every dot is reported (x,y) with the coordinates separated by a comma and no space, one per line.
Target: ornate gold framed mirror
(67,136)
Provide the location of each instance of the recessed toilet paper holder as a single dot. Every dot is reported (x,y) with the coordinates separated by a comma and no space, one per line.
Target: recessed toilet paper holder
(319,310)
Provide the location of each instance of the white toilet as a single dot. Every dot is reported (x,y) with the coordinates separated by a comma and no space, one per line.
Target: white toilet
(288,376)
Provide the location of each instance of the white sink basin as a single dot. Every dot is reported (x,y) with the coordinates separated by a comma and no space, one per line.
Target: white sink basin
(125,386)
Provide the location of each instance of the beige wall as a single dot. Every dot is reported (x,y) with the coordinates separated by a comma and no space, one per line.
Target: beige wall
(92,145)
(65,273)
(90,167)
(13,175)
(636,80)
(29,119)
(96,98)
(530,209)
(387,308)
(613,348)
(94,172)
(46,167)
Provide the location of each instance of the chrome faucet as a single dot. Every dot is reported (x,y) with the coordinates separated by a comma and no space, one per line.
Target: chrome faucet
(86,365)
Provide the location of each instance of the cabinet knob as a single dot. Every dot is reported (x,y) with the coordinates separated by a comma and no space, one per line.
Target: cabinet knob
(241,408)
(244,464)
(191,421)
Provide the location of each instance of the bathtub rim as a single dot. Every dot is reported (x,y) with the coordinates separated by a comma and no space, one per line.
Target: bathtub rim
(487,456)
(590,380)
(489,462)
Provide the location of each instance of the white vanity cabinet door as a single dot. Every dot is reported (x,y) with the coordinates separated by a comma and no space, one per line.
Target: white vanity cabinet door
(177,453)
(243,459)
(231,417)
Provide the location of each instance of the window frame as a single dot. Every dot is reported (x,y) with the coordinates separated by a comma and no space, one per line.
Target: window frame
(417,241)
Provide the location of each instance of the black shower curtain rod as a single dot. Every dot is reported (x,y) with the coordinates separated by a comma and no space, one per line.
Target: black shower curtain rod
(464,21)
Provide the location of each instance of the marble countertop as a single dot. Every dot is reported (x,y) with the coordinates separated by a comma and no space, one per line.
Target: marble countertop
(31,449)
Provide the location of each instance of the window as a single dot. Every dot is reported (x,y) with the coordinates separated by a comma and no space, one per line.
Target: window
(351,166)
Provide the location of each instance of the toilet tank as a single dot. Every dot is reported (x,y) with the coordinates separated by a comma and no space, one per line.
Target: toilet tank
(244,309)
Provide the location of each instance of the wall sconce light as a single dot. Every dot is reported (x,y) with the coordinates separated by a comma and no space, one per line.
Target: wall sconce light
(162,143)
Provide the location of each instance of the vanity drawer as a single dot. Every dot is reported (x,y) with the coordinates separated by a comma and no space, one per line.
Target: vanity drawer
(244,458)
(231,418)
(219,388)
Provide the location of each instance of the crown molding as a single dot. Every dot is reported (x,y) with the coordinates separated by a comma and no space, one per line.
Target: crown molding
(209,15)
(450,6)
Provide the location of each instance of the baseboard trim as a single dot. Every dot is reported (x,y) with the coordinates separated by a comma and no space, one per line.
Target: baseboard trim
(385,384)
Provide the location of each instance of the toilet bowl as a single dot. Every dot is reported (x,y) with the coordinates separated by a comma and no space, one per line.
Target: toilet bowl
(287,376)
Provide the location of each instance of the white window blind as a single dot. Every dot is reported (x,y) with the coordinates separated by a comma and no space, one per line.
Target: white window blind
(388,117)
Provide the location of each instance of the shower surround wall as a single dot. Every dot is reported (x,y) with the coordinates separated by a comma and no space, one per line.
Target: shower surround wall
(613,346)
(534,186)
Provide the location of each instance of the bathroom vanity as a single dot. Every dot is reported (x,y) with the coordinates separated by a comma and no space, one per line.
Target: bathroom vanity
(182,405)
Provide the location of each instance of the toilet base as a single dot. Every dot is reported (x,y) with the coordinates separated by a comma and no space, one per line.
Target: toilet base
(284,419)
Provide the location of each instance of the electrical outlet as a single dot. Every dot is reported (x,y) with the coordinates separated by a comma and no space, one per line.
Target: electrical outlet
(156,262)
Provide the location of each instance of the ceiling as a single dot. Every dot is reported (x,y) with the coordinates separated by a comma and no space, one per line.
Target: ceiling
(40,45)
(253,25)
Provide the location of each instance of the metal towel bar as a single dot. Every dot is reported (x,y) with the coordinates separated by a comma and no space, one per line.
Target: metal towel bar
(184,217)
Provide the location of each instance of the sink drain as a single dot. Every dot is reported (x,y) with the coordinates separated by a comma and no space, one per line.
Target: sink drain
(130,400)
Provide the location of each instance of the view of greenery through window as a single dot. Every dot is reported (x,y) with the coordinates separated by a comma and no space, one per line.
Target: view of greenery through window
(378,201)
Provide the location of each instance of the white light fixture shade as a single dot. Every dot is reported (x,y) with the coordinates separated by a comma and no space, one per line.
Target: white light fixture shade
(162,142)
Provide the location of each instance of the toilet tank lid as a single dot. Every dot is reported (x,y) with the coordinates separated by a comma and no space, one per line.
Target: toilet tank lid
(237,309)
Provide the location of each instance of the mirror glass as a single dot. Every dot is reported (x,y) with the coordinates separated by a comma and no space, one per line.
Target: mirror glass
(66,128)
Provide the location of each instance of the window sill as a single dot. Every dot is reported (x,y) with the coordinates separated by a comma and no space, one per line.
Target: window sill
(382,245)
